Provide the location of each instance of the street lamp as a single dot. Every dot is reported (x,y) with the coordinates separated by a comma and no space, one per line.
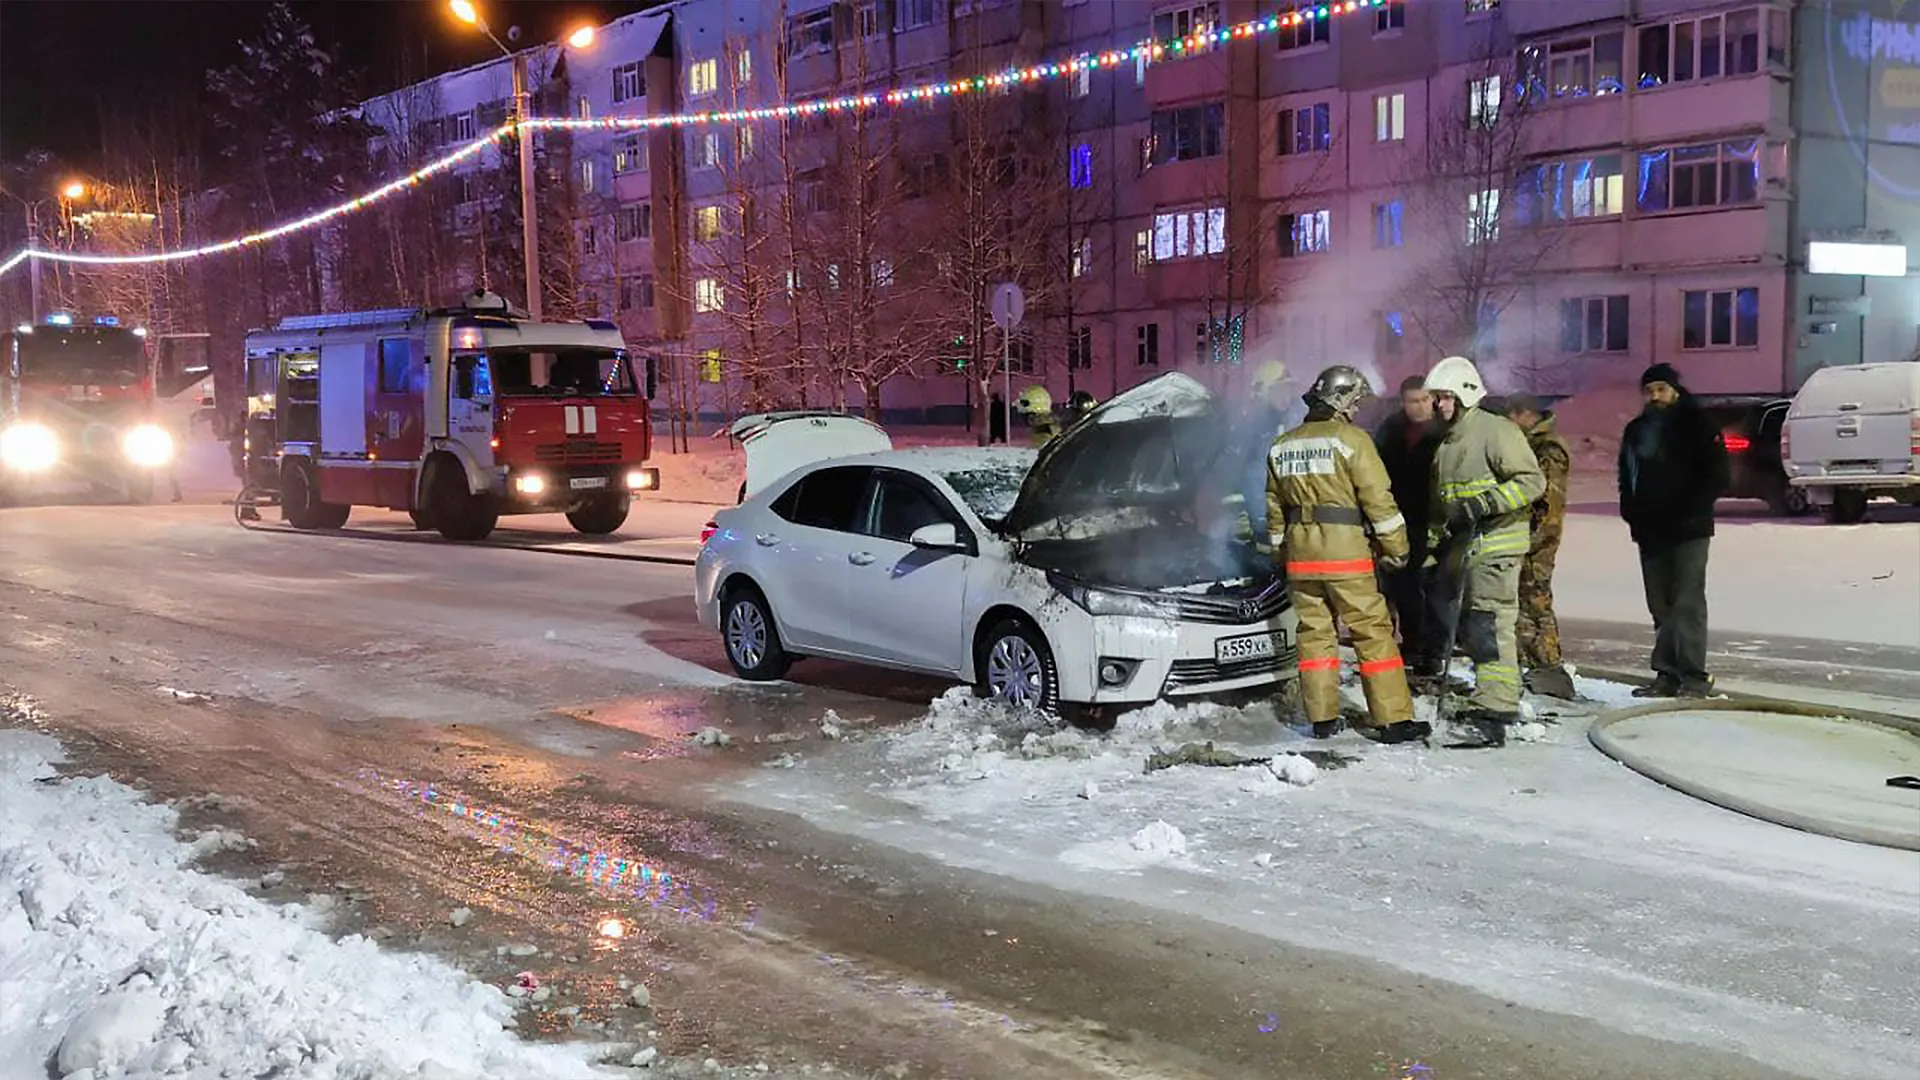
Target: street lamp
(66,193)
(529,226)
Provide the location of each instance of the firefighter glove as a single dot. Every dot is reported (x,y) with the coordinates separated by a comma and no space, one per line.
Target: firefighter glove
(1392,564)
(1464,515)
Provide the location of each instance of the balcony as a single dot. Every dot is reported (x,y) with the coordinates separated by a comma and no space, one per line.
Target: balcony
(1752,234)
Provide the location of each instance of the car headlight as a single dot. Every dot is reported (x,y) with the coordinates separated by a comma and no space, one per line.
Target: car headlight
(148,447)
(29,448)
(1101,602)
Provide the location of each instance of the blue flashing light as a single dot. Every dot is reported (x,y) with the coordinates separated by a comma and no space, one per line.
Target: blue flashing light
(106,320)
(60,319)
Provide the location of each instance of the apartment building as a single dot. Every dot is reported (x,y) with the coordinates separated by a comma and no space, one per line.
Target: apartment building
(1567,190)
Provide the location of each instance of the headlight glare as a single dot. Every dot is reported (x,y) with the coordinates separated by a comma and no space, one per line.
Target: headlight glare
(29,448)
(148,447)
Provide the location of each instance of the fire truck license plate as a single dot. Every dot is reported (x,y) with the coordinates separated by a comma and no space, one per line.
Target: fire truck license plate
(1250,647)
(580,482)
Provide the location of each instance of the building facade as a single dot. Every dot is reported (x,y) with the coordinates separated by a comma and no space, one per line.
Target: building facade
(1567,191)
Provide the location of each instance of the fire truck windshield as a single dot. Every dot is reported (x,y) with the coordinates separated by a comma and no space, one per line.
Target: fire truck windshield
(561,372)
(99,356)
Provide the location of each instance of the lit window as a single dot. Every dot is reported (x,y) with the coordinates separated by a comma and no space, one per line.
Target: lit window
(1390,332)
(882,273)
(1483,216)
(743,144)
(743,68)
(1192,22)
(630,155)
(1578,67)
(1142,250)
(1082,81)
(1479,8)
(1483,102)
(1388,231)
(706,149)
(1189,234)
(1080,166)
(706,224)
(1390,16)
(586,176)
(1081,263)
(583,108)
(1389,117)
(1305,234)
(703,77)
(708,295)
(1140,69)
(1720,319)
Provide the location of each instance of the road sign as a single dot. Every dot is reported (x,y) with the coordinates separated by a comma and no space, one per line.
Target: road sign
(1009,305)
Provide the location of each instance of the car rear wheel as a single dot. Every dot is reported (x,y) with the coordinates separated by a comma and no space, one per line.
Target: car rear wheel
(1015,666)
(1847,508)
(751,639)
(1790,501)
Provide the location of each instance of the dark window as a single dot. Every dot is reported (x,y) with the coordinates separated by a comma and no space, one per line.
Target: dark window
(1188,134)
(906,508)
(826,499)
(396,365)
(1720,318)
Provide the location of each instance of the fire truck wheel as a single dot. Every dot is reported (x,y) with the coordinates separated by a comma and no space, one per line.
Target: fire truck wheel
(418,515)
(752,640)
(300,505)
(458,513)
(598,517)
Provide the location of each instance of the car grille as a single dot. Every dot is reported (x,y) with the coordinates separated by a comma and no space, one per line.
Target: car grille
(576,451)
(1205,672)
(1232,610)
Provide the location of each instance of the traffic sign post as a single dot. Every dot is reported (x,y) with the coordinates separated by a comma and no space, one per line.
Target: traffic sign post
(1009,306)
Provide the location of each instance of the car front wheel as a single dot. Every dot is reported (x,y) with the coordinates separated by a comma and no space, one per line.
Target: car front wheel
(752,640)
(1016,667)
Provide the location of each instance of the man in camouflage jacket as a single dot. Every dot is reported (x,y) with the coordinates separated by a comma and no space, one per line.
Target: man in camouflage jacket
(1539,630)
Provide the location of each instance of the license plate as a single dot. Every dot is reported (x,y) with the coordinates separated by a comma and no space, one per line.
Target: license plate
(581,483)
(1247,647)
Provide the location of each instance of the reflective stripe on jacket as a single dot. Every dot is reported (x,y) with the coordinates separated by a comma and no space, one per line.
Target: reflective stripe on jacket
(1487,453)
(1326,490)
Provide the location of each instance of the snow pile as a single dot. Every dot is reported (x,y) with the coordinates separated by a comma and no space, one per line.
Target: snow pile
(119,958)
(1159,839)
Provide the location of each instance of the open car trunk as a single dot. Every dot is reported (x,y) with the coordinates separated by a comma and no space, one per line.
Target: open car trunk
(777,443)
(1125,498)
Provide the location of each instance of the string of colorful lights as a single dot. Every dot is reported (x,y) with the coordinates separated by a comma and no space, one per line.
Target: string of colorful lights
(929,92)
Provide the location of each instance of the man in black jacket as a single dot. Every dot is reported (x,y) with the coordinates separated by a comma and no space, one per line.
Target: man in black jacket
(1673,466)
(1406,441)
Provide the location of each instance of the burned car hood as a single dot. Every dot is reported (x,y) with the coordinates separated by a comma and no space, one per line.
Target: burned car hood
(1139,461)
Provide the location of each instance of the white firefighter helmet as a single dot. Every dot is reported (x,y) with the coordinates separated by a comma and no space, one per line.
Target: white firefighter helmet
(1269,375)
(1456,375)
(1033,401)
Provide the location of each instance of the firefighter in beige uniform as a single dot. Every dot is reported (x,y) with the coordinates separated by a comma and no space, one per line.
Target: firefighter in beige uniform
(1485,481)
(1327,494)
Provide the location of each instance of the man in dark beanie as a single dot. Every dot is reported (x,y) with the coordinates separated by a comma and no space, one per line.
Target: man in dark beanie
(1673,467)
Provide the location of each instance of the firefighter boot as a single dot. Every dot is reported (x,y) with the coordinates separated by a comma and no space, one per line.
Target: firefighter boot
(1553,682)
(1479,729)
(1327,729)
(1662,686)
(1403,731)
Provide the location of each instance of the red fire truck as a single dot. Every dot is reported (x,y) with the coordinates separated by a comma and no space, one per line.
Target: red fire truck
(76,404)
(456,415)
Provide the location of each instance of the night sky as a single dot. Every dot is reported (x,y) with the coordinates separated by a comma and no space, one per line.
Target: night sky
(65,62)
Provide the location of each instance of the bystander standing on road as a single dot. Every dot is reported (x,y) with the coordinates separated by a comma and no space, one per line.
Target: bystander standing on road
(1406,441)
(1673,468)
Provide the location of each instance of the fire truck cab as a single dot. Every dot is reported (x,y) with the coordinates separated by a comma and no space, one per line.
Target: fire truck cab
(456,415)
(77,404)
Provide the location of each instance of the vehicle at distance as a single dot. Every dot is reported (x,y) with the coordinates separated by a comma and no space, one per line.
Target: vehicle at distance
(77,405)
(1751,425)
(1075,576)
(1853,435)
(458,416)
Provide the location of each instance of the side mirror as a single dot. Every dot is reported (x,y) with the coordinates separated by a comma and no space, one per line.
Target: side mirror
(941,537)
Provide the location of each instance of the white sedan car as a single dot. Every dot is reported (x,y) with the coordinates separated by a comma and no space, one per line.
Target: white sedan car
(1094,572)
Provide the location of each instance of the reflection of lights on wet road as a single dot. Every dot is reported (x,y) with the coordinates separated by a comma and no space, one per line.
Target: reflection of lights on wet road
(621,876)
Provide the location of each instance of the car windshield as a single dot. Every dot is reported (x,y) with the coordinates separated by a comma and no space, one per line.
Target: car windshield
(561,372)
(990,490)
(96,357)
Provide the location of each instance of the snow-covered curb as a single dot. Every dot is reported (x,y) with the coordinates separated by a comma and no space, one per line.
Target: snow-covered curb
(118,958)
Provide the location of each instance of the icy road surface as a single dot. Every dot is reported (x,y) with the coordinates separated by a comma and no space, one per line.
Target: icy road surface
(511,733)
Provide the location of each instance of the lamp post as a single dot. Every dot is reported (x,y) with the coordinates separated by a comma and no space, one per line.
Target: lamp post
(522,110)
(69,191)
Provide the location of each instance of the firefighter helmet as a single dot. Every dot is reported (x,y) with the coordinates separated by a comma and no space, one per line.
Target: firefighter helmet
(1456,375)
(1269,375)
(1340,389)
(1081,403)
(1033,401)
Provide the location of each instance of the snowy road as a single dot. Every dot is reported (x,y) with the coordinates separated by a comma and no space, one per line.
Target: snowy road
(953,905)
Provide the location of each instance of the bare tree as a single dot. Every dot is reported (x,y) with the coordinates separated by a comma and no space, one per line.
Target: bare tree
(1475,254)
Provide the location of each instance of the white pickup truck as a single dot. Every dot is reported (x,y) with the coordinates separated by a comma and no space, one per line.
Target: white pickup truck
(1853,435)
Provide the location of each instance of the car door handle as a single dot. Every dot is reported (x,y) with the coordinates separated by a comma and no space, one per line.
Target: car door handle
(766,539)
(861,558)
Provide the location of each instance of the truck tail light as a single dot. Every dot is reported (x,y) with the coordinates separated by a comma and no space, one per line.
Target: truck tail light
(1738,444)
(1786,443)
(1913,442)
(707,531)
